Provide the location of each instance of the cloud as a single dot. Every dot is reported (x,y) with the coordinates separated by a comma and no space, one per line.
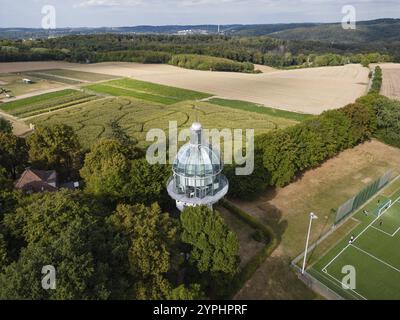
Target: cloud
(159,12)
(128,3)
(97,3)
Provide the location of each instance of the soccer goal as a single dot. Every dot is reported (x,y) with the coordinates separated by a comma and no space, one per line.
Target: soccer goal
(383,208)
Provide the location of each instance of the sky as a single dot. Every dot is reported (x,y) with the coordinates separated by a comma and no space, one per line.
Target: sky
(114,13)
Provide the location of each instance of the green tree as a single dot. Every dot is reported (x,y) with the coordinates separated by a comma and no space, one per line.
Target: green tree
(62,229)
(56,147)
(147,183)
(251,186)
(153,235)
(3,253)
(193,292)
(387,115)
(106,169)
(153,288)
(5,126)
(13,154)
(279,157)
(119,134)
(5,183)
(214,247)
(363,122)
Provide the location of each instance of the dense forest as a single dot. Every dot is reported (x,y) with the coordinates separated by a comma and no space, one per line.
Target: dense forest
(161,49)
(117,238)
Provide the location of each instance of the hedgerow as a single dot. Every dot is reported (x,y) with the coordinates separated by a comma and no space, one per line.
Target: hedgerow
(290,151)
(376,81)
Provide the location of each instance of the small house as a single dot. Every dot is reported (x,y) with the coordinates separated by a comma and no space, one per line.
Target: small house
(40,181)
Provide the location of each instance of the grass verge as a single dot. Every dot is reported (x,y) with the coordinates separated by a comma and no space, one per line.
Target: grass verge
(255,262)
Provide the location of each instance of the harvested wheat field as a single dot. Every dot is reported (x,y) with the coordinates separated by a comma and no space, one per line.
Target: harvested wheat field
(391,80)
(312,90)
(12,67)
(322,191)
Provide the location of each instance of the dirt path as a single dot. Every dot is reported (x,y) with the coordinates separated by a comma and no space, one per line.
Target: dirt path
(62,77)
(37,93)
(19,127)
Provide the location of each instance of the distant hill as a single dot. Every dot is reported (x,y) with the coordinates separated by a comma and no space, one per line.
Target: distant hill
(385,30)
(366,31)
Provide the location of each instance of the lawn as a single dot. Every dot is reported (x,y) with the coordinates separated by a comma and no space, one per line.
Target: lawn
(138,116)
(46,102)
(374,253)
(146,91)
(254,107)
(248,247)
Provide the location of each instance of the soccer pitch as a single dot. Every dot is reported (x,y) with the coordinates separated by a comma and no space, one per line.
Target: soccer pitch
(374,253)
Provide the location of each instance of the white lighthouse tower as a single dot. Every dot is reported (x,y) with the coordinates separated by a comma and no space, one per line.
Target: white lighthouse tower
(197,173)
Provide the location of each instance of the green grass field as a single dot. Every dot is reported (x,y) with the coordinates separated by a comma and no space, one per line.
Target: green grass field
(46,102)
(254,107)
(146,91)
(374,253)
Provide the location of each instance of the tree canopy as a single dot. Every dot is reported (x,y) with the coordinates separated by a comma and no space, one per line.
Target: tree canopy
(13,154)
(5,126)
(106,169)
(214,247)
(64,230)
(57,148)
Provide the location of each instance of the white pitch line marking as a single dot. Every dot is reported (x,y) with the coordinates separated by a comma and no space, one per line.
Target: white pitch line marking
(334,283)
(372,256)
(343,285)
(388,234)
(362,232)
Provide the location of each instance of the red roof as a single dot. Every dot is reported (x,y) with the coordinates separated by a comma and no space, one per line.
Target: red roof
(37,181)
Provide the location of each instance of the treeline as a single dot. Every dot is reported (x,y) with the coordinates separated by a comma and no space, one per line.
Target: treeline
(283,155)
(140,56)
(387,113)
(160,48)
(323,60)
(14,54)
(199,62)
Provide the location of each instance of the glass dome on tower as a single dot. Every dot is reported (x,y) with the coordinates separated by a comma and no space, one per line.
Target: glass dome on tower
(197,173)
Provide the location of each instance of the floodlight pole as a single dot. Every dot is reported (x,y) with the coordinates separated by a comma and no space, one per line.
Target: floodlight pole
(312,217)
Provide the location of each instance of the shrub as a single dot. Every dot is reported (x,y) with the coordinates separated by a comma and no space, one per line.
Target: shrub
(377,81)
(200,62)
(258,236)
